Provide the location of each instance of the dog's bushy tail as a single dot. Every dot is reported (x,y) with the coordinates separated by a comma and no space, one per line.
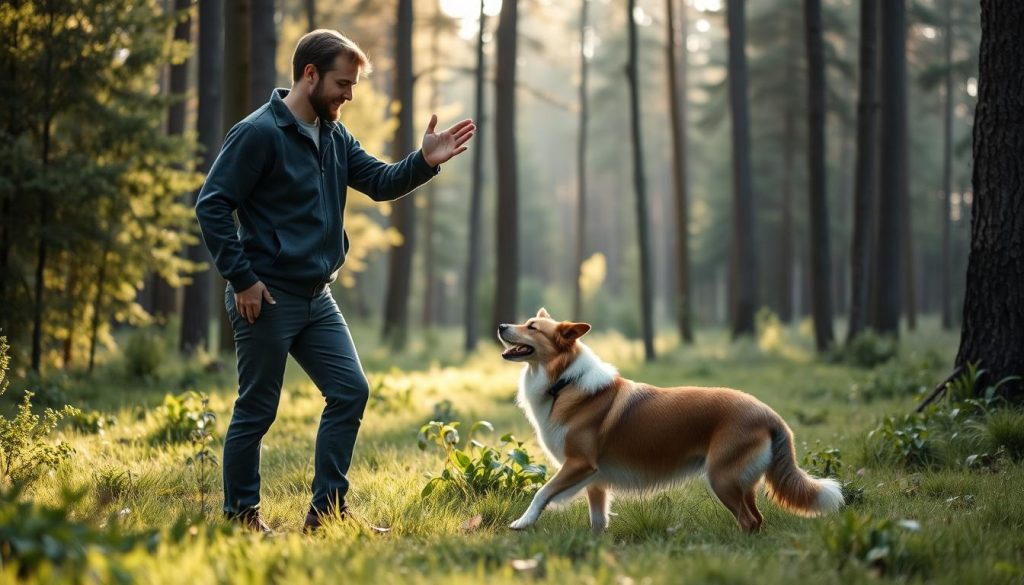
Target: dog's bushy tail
(791,487)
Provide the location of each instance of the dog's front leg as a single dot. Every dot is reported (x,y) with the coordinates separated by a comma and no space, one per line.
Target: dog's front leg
(573,475)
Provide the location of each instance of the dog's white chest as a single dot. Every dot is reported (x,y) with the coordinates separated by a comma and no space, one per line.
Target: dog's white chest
(533,398)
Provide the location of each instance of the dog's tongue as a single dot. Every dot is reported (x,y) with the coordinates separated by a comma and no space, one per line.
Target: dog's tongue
(516,351)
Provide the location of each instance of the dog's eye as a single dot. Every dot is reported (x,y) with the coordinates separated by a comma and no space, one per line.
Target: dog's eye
(530,326)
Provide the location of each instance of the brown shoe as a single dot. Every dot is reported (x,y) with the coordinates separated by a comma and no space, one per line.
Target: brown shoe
(251,520)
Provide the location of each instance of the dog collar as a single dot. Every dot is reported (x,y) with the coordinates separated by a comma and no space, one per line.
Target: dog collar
(560,384)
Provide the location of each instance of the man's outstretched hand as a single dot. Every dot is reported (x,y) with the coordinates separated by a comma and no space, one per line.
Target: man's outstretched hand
(440,147)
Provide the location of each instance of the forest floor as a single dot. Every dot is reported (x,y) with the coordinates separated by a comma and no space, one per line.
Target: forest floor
(933,499)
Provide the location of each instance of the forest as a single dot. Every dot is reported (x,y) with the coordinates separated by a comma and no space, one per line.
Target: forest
(817,202)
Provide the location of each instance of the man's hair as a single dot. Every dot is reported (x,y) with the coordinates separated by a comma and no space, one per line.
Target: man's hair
(321,47)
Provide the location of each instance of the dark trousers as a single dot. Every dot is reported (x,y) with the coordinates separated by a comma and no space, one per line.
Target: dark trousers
(315,333)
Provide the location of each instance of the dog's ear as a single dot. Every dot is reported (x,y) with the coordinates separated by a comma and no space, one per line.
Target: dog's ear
(573,331)
(543,314)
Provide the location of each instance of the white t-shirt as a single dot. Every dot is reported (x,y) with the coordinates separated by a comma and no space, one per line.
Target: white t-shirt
(311,130)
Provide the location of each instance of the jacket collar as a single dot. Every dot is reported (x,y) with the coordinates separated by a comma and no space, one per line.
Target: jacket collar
(283,114)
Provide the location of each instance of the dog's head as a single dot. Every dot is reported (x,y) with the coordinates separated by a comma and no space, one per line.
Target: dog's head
(539,339)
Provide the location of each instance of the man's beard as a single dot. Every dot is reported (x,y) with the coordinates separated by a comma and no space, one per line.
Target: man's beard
(320,104)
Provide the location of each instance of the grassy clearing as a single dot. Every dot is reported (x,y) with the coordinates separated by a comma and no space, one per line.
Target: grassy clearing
(967,523)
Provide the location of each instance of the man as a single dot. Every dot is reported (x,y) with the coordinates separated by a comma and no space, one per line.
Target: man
(285,169)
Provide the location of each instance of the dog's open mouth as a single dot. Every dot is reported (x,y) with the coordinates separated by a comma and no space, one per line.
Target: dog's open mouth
(516,351)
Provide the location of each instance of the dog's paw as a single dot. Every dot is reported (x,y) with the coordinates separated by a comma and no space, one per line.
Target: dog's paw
(521,523)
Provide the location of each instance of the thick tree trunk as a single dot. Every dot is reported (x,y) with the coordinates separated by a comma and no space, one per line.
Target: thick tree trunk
(821,273)
(196,312)
(743,280)
(892,193)
(677,88)
(311,14)
(581,166)
(993,323)
(784,270)
(403,211)
(864,179)
(640,184)
(262,52)
(476,198)
(505,301)
(432,285)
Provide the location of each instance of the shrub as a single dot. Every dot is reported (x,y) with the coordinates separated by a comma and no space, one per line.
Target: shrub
(867,350)
(877,545)
(181,414)
(390,394)
(903,440)
(24,447)
(823,462)
(92,422)
(479,468)
(143,353)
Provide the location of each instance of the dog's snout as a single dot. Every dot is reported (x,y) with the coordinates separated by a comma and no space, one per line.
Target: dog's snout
(503,326)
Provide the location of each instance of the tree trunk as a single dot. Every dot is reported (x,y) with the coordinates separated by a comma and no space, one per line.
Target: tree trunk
(677,88)
(640,184)
(947,175)
(785,254)
(581,167)
(44,207)
(262,52)
(235,107)
(993,323)
(473,262)
(403,211)
(97,305)
(432,288)
(507,233)
(821,273)
(864,179)
(892,193)
(311,15)
(195,318)
(743,279)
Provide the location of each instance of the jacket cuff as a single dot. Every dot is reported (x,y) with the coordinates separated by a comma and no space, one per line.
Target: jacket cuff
(244,281)
(423,166)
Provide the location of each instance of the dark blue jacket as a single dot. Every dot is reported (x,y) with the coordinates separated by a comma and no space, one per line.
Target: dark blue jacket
(291,199)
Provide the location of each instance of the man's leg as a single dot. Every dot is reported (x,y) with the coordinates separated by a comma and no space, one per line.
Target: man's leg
(262,352)
(326,351)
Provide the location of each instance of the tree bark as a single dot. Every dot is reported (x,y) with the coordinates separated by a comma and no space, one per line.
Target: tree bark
(473,262)
(864,179)
(311,15)
(262,52)
(432,287)
(581,166)
(821,273)
(892,194)
(993,322)
(785,251)
(640,184)
(743,278)
(505,301)
(677,87)
(196,312)
(403,211)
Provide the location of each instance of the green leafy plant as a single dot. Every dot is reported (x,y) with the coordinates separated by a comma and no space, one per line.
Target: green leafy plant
(180,415)
(903,439)
(25,449)
(143,353)
(202,457)
(867,350)
(877,545)
(823,462)
(479,468)
(92,422)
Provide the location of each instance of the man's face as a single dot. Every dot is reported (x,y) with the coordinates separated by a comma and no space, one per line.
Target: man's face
(334,88)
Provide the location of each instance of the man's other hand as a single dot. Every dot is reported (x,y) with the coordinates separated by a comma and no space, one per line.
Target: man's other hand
(440,147)
(249,302)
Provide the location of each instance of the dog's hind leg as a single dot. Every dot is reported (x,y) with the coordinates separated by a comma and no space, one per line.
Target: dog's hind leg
(574,474)
(755,518)
(600,500)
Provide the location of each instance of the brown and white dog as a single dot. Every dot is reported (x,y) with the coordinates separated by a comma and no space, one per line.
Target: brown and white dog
(608,432)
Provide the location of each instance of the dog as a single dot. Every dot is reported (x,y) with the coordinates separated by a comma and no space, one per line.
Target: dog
(607,432)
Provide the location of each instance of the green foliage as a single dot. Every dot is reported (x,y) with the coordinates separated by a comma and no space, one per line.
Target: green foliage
(903,440)
(823,462)
(92,422)
(202,457)
(389,393)
(25,449)
(877,545)
(143,353)
(112,484)
(896,379)
(867,350)
(180,415)
(480,468)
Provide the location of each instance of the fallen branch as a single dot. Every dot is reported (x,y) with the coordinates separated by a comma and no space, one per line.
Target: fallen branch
(938,390)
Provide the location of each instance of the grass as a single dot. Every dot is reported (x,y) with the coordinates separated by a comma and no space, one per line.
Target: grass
(970,522)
